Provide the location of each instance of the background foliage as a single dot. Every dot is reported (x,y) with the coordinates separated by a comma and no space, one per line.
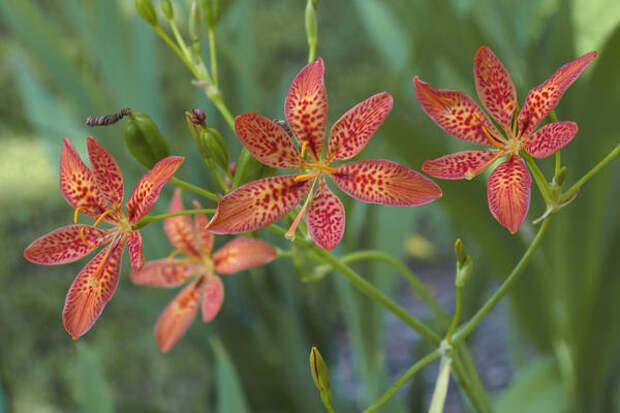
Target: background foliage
(559,333)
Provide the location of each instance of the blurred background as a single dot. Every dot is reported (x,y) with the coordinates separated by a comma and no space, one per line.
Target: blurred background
(551,346)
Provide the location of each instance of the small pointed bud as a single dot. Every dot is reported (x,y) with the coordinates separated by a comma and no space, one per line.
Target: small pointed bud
(199,117)
(311,22)
(194,22)
(464,264)
(216,147)
(146,9)
(166,7)
(320,373)
(459,250)
(144,139)
(211,12)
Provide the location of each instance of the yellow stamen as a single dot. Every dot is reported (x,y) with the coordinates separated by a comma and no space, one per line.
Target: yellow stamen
(173,254)
(77,211)
(290,234)
(513,103)
(304,145)
(321,166)
(493,140)
(98,221)
(83,237)
(303,177)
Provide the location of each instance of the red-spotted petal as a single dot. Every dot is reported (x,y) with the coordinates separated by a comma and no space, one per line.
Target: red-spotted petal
(455,112)
(136,252)
(460,165)
(77,183)
(201,235)
(65,244)
(179,229)
(165,273)
(92,289)
(326,218)
(543,99)
(267,141)
(212,298)
(494,86)
(148,188)
(352,132)
(241,254)
(178,315)
(305,107)
(550,138)
(385,182)
(257,204)
(107,173)
(509,193)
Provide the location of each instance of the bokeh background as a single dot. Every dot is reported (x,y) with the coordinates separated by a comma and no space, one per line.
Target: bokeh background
(552,346)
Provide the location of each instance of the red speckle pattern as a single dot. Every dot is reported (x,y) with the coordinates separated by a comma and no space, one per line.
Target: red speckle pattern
(136,252)
(92,289)
(241,254)
(352,132)
(508,191)
(385,182)
(326,218)
(148,188)
(178,315)
(305,107)
(494,86)
(453,112)
(65,245)
(550,138)
(165,273)
(542,99)
(106,172)
(212,298)
(460,165)
(267,141)
(257,204)
(77,183)
(179,229)
(202,236)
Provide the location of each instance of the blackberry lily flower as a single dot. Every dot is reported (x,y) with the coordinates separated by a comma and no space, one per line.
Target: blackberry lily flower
(98,193)
(262,202)
(206,289)
(509,185)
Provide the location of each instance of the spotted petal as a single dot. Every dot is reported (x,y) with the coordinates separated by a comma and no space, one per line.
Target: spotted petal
(179,229)
(92,289)
(77,183)
(65,244)
(257,204)
(107,173)
(550,138)
(305,107)
(203,237)
(148,188)
(455,112)
(326,218)
(267,141)
(136,252)
(165,273)
(178,315)
(543,99)
(352,132)
(494,86)
(460,165)
(509,193)
(241,254)
(212,298)
(385,182)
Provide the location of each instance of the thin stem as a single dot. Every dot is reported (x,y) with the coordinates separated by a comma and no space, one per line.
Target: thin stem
(541,182)
(207,194)
(213,168)
(153,218)
(178,51)
(457,313)
(213,56)
(179,38)
(558,163)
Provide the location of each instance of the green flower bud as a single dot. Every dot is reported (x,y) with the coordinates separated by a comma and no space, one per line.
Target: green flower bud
(146,9)
(464,264)
(215,146)
(320,373)
(166,7)
(194,22)
(144,139)
(311,22)
(248,169)
(211,11)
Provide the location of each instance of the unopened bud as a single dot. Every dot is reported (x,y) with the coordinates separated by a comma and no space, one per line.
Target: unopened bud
(194,22)
(459,250)
(146,9)
(216,146)
(320,373)
(311,22)
(199,117)
(166,7)
(144,139)
(211,12)
(464,264)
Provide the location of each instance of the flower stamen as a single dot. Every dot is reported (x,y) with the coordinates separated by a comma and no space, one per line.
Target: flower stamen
(304,145)
(83,237)
(304,177)
(290,234)
(494,141)
(173,254)
(76,213)
(98,221)
(323,167)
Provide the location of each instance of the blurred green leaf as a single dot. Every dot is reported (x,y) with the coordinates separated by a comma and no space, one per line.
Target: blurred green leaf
(230,395)
(91,386)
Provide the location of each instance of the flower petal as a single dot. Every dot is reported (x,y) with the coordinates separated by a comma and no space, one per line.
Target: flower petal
(107,173)
(77,183)
(460,165)
(550,138)
(267,141)
(305,107)
(494,85)
(179,229)
(326,218)
(136,252)
(92,289)
(455,112)
(65,244)
(257,204)
(212,298)
(385,182)
(352,132)
(178,315)
(165,273)
(509,193)
(201,234)
(147,189)
(241,254)
(543,99)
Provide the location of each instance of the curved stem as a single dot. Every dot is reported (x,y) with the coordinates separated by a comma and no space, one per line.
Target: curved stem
(153,218)
(457,313)
(213,56)
(539,177)
(190,187)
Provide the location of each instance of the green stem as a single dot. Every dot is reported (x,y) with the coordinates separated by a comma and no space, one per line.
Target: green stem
(539,177)
(213,168)
(213,56)
(178,51)
(179,39)
(470,382)
(207,194)
(558,163)
(457,313)
(153,218)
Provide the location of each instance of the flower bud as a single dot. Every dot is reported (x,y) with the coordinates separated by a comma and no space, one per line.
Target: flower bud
(215,146)
(320,373)
(199,117)
(248,169)
(166,7)
(194,22)
(211,12)
(146,9)
(144,139)
(311,22)
(464,264)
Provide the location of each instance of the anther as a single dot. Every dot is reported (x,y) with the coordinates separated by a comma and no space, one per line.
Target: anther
(512,104)
(76,213)
(304,177)
(290,234)
(491,138)
(304,145)
(83,237)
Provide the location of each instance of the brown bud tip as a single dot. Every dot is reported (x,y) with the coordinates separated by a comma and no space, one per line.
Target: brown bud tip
(232,168)
(199,117)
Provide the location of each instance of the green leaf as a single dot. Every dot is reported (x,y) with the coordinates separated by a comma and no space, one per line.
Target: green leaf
(230,395)
(92,389)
